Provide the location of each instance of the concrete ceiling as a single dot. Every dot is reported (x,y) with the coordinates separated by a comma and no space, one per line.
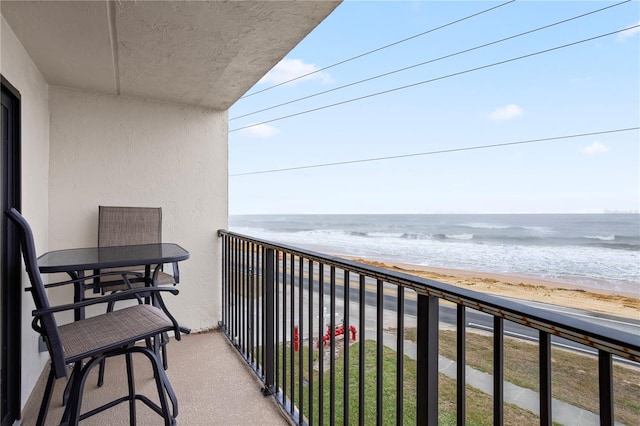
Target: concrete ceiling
(206,53)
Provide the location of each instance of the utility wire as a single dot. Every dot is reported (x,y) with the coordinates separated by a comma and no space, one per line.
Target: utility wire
(444,151)
(435,79)
(429,61)
(376,50)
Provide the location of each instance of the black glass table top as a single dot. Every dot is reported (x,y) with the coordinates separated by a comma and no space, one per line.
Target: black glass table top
(79,259)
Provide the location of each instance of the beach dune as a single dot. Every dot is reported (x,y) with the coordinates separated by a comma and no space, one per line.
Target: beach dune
(524,288)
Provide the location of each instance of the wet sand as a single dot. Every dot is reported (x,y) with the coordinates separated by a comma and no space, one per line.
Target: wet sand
(525,288)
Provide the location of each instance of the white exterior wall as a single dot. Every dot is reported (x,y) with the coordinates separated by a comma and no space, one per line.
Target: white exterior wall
(18,68)
(111,150)
(81,150)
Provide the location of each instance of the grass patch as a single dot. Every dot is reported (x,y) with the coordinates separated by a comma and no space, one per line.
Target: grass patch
(574,376)
(479,405)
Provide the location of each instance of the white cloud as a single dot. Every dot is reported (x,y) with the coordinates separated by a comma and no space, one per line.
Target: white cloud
(259,131)
(506,113)
(594,149)
(628,33)
(288,69)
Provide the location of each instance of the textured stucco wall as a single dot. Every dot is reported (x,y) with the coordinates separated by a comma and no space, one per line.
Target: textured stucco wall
(17,67)
(113,150)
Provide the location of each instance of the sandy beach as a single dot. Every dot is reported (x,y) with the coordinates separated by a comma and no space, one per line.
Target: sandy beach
(525,288)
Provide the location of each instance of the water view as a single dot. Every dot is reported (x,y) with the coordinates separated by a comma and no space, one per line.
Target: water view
(598,251)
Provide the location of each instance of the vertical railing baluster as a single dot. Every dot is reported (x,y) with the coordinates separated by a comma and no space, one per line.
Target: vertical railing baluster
(231,294)
(284,328)
(255,320)
(310,379)
(361,378)
(400,358)
(427,360)
(263,293)
(252,307)
(230,288)
(277,316)
(236,287)
(256,305)
(247,301)
(269,338)
(292,299)
(379,351)
(545,378)
(225,277)
(461,376)
(321,344)
(260,303)
(347,340)
(247,306)
(605,382)
(498,371)
(332,350)
(243,300)
(300,340)
(240,307)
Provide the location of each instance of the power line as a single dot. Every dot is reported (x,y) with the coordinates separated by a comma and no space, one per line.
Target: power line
(378,49)
(435,79)
(428,62)
(444,151)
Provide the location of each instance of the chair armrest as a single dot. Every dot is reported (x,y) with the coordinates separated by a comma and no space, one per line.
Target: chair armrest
(122,295)
(177,329)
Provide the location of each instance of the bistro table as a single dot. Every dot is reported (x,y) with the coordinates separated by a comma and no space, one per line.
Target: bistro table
(76,261)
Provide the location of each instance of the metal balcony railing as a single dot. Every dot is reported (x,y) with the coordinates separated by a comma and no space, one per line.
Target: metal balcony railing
(281,306)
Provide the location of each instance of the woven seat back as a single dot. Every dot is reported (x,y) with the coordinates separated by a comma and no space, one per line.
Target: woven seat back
(124,226)
(47,325)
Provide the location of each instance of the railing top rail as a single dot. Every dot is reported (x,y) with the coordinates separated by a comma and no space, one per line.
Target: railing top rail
(608,339)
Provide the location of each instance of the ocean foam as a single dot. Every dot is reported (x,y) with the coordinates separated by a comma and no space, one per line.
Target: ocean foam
(603,260)
(601,237)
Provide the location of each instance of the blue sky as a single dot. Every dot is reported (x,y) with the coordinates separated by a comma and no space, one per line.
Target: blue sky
(585,88)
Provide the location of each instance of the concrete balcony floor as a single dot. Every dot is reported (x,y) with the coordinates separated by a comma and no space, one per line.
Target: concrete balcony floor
(213,384)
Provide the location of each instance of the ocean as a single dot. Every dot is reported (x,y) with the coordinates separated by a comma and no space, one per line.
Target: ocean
(600,251)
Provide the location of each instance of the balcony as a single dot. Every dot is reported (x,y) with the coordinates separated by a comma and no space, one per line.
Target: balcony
(398,359)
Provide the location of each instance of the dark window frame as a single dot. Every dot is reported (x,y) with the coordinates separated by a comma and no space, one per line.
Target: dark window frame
(10,257)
